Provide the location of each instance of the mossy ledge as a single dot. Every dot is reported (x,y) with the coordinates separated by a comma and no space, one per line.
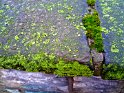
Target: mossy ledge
(43,62)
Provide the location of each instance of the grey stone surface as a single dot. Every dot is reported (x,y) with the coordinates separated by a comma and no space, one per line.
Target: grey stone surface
(112,16)
(35,82)
(97,85)
(51,26)
(14,81)
(97,57)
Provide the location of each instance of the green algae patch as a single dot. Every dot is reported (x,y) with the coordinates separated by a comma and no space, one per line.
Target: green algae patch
(114,48)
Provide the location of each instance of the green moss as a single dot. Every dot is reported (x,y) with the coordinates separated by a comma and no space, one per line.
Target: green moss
(13,62)
(113,71)
(72,69)
(42,62)
(91,2)
(91,19)
(92,24)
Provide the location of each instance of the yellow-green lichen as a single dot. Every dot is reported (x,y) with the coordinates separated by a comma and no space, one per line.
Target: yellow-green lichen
(114,48)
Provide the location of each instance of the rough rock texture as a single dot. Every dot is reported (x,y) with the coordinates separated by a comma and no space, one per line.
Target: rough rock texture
(14,81)
(34,82)
(97,85)
(50,26)
(112,16)
(97,59)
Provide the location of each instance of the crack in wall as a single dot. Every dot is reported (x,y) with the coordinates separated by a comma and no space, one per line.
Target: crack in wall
(96,52)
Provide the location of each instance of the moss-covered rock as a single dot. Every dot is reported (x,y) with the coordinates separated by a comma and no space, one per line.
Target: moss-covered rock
(42,62)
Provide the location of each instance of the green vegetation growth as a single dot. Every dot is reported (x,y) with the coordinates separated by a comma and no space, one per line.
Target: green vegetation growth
(113,71)
(42,62)
(92,24)
(91,2)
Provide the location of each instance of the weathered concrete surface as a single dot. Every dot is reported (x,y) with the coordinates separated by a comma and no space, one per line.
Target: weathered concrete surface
(13,80)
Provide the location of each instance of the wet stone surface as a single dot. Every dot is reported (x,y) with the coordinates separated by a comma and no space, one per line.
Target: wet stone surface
(52,26)
(112,16)
(14,81)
